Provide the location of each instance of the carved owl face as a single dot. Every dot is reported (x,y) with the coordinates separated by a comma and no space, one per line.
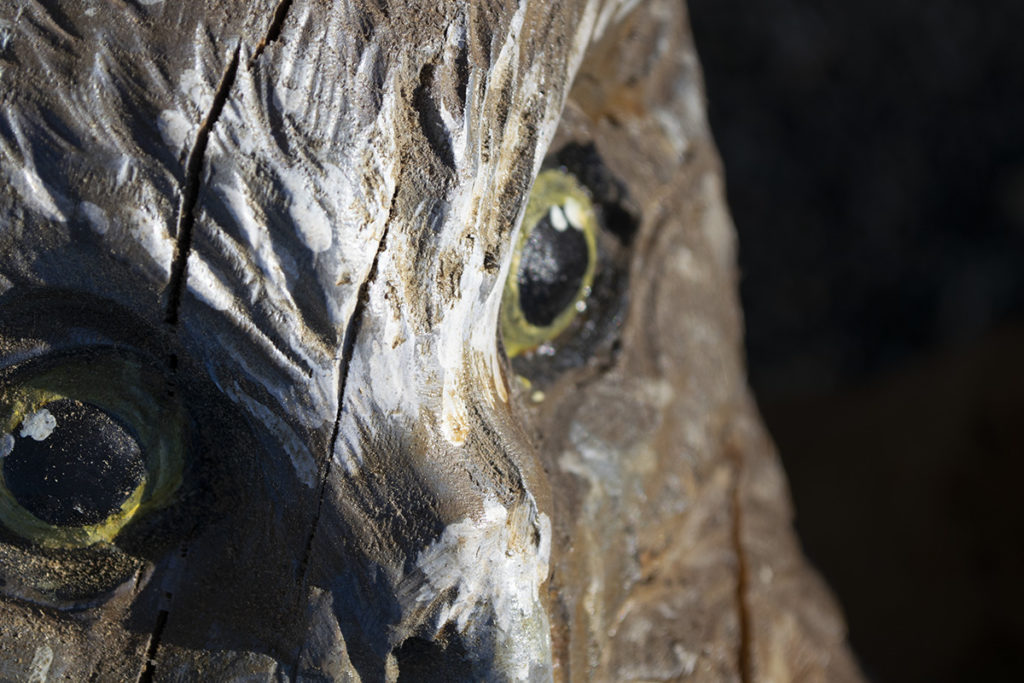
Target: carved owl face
(378,339)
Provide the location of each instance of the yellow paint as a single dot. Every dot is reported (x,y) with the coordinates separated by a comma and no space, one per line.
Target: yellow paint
(124,388)
(552,188)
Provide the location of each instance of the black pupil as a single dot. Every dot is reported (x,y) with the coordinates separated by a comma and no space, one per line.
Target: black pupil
(551,270)
(81,473)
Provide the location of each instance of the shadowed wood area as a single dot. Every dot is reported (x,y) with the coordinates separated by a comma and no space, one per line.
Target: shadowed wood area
(278,245)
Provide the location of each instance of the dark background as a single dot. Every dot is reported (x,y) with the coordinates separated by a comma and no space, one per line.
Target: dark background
(874,155)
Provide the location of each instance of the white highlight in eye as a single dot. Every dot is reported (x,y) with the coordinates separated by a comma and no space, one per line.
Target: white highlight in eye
(575,213)
(39,425)
(6,445)
(557,218)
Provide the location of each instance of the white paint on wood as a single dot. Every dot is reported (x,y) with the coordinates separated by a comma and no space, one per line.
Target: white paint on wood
(176,130)
(495,563)
(20,169)
(42,660)
(96,216)
(302,460)
(207,285)
(147,225)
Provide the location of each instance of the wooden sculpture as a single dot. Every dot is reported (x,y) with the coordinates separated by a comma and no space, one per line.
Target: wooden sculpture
(375,340)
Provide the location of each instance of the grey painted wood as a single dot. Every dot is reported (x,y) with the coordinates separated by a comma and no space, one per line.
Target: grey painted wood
(300,216)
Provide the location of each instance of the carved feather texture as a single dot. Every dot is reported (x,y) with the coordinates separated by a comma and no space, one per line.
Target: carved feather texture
(303,213)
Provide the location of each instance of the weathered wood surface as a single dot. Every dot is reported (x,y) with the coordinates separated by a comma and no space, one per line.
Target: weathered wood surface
(301,215)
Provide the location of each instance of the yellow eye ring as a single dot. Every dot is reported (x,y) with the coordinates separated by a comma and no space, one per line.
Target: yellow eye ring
(553,264)
(120,388)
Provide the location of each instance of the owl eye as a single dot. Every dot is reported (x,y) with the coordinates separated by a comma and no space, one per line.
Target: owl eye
(84,449)
(553,264)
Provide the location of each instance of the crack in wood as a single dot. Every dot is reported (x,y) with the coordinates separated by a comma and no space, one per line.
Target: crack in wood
(273,31)
(190,192)
(170,583)
(344,363)
(154,644)
(194,164)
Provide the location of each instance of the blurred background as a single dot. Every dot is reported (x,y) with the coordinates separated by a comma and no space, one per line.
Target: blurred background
(874,155)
